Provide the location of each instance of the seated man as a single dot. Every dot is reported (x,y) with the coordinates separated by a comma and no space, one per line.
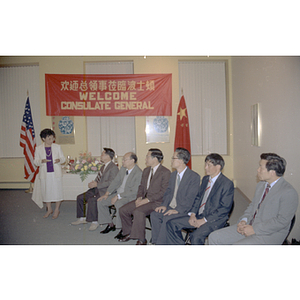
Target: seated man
(97,188)
(122,189)
(267,219)
(211,207)
(154,183)
(178,198)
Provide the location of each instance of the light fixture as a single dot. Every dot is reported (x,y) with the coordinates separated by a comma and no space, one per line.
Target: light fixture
(255,125)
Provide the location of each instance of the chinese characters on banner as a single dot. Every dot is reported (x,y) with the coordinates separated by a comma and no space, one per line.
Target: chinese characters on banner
(108,95)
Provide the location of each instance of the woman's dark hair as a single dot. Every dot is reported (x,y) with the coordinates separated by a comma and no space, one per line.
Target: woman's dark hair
(47,132)
(274,162)
(156,153)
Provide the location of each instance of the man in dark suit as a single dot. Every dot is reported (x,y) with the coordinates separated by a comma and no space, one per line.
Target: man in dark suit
(267,219)
(211,207)
(122,189)
(155,179)
(179,196)
(97,188)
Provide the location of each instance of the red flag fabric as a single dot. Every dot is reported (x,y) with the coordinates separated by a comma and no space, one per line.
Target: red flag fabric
(182,135)
(27,142)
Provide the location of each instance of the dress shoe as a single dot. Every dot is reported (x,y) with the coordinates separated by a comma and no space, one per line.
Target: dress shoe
(78,222)
(108,229)
(119,235)
(141,243)
(93,226)
(125,238)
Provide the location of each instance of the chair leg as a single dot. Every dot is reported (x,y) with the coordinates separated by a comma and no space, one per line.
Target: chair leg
(112,211)
(148,217)
(187,240)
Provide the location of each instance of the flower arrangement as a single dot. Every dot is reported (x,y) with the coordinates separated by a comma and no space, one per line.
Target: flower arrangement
(85,165)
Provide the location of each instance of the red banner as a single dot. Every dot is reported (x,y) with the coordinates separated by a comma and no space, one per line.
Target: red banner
(108,95)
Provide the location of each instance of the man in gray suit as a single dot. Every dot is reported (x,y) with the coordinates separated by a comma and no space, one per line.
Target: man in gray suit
(267,219)
(97,188)
(178,198)
(155,179)
(122,189)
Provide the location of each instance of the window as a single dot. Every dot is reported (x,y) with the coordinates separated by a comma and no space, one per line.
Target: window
(15,82)
(203,85)
(117,133)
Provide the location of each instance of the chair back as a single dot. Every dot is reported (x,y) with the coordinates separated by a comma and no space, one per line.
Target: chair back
(285,242)
(229,214)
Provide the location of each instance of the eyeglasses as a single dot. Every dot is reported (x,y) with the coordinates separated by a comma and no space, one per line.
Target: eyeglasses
(175,157)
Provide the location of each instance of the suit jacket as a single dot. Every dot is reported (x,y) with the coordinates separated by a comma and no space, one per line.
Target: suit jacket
(131,186)
(158,186)
(276,211)
(219,201)
(186,193)
(40,153)
(110,172)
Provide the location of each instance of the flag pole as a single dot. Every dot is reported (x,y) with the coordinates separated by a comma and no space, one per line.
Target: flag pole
(30,190)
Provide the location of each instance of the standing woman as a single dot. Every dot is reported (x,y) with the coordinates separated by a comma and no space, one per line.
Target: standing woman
(49,158)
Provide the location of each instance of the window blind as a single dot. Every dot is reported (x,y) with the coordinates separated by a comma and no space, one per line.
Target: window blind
(117,133)
(15,81)
(203,85)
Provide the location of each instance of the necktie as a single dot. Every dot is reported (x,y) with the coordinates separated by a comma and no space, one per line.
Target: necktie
(262,199)
(100,173)
(178,179)
(207,190)
(151,176)
(173,203)
(149,182)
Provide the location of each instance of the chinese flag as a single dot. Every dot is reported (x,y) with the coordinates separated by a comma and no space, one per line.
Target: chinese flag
(182,135)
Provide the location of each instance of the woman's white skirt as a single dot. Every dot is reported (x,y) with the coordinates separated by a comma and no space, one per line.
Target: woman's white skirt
(51,188)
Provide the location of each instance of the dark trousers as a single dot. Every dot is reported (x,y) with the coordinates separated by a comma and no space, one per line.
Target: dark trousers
(158,226)
(134,218)
(197,237)
(89,197)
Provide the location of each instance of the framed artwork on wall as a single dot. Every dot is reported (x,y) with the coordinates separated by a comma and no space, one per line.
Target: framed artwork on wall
(64,128)
(157,129)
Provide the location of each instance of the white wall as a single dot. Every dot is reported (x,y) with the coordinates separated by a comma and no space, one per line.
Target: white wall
(274,83)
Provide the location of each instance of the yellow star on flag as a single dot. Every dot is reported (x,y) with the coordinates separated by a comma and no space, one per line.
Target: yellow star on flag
(182,113)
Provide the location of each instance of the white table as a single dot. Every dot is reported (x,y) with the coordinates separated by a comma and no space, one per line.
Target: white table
(73,186)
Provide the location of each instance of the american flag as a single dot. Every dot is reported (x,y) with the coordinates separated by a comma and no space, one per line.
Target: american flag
(27,141)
